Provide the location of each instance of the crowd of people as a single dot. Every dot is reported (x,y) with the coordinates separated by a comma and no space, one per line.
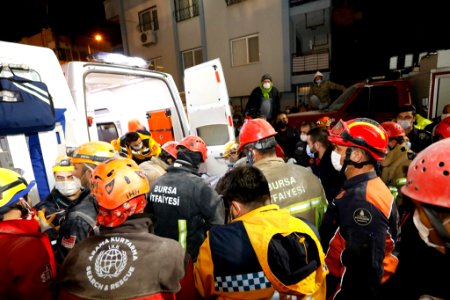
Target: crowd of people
(334,209)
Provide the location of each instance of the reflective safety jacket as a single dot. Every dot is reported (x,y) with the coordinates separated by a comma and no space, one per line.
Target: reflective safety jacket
(150,148)
(294,187)
(262,251)
(27,264)
(395,167)
(183,206)
(362,222)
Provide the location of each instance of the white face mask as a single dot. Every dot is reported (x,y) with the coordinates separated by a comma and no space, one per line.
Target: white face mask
(319,81)
(336,161)
(443,116)
(405,124)
(303,137)
(309,152)
(266,85)
(408,144)
(137,148)
(424,231)
(68,188)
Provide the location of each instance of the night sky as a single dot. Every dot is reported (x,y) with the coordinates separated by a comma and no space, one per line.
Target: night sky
(21,18)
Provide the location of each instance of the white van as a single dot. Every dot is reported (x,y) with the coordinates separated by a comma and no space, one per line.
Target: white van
(100,97)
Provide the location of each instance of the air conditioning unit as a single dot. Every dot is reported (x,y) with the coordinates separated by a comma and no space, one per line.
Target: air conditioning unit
(148,38)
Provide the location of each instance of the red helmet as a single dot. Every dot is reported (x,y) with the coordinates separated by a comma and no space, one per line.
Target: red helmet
(171,148)
(393,129)
(428,175)
(254,130)
(195,144)
(361,133)
(443,128)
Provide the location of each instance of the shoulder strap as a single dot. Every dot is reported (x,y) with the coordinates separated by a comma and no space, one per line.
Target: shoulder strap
(88,219)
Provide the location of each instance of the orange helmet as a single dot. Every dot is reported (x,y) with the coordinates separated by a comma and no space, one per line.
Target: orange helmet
(443,128)
(254,130)
(94,152)
(393,129)
(361,133)
(195,144)
(135,125)
(117,181)
(324,121)
(428,174)
(171,148)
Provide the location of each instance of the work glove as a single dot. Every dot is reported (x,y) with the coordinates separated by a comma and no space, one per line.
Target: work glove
(44,222)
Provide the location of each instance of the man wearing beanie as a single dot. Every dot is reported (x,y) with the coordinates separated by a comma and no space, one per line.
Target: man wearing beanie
(264,101)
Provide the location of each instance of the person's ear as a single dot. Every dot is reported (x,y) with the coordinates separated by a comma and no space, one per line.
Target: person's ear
(235,209)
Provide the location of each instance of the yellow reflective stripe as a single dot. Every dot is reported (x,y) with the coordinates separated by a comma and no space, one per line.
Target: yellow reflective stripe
(182,232)
(400,181)
(307,205)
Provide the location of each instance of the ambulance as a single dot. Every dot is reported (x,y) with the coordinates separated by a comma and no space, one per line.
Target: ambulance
(95,100)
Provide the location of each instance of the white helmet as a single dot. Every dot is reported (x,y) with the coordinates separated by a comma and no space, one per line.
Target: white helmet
(318,74)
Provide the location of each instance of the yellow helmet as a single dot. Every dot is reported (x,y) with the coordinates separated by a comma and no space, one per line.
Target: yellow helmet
(63,164)
(230,148)
(94,152)
(12,187)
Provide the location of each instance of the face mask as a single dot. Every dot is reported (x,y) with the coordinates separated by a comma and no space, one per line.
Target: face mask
(408,144)
(303,137)
(266,85)
(309,152)
(281,124)
(424,231)
(68,188)
(336,161)
(137,148)
(318,81)
(405,124)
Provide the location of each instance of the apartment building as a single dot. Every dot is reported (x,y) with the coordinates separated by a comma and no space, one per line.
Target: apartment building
(290,39)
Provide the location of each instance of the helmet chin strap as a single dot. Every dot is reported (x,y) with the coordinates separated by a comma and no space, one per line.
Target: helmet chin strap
(348,161)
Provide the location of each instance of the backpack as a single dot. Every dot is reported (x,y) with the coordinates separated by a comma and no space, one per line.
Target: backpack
(26,106)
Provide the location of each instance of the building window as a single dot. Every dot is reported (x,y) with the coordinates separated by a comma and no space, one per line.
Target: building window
(192,57)
(245,50)
(231,2)
(148,19)
(185,9)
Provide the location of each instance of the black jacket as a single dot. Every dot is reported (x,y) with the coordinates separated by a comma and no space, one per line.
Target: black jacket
(253,107)
(184,207)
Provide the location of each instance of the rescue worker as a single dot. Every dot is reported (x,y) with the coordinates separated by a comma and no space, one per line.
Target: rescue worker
(67,189)
(125,261)
(408,119)
(157,165)
(360,229)
(319,94)
(395,165)
(182,204)
(230,153)
(80,219)
(301,156)
(425,244)
(442,130)
(27,264)
(292,186)
(276,252)
(137,145)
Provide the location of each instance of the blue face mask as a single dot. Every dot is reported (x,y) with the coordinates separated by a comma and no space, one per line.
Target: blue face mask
(308,152)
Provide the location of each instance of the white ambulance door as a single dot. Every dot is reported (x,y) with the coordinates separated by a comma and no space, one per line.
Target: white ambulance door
(209,113)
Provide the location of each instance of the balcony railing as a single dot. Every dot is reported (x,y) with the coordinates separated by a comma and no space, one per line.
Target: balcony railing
(311,62)
(187,12)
